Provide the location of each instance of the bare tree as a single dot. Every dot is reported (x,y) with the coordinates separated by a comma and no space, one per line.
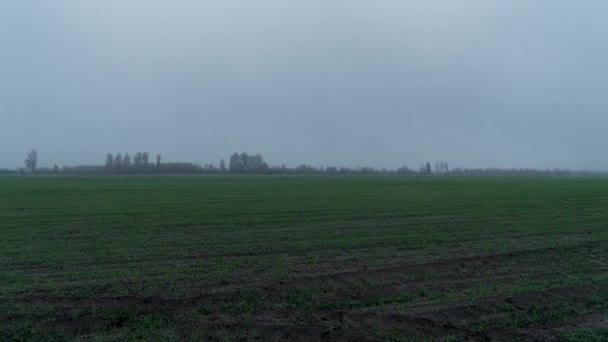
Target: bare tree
(126,160)
(138,159)
(247,164)
(157,160)
(32,160)
(222,166)
(441,167)
(235,163)
(109,160)
(118,160)
(425,169)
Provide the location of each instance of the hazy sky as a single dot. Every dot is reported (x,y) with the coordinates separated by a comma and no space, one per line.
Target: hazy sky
(344,82)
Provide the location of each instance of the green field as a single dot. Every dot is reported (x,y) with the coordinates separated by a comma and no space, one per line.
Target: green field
(308,258)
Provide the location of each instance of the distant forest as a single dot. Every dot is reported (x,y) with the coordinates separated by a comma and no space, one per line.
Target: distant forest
(244,163)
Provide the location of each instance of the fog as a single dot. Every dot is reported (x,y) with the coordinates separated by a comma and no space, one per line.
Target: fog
(478,83)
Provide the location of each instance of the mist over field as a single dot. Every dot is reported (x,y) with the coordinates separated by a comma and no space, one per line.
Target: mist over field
(381,83)
(290,170)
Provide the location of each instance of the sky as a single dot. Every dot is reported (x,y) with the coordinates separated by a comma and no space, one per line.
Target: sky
(383,83)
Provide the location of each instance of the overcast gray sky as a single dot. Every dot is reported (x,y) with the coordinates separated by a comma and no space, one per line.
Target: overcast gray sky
(503,83)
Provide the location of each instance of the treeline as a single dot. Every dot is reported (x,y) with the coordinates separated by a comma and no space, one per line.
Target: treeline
(140,163)
(244,163)
(519,172)
(238,163)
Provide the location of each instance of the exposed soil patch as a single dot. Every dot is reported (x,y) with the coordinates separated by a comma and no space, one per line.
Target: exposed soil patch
(397,301)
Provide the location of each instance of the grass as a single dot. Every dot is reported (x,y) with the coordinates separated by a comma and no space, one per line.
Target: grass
(584,335)
(280,257)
